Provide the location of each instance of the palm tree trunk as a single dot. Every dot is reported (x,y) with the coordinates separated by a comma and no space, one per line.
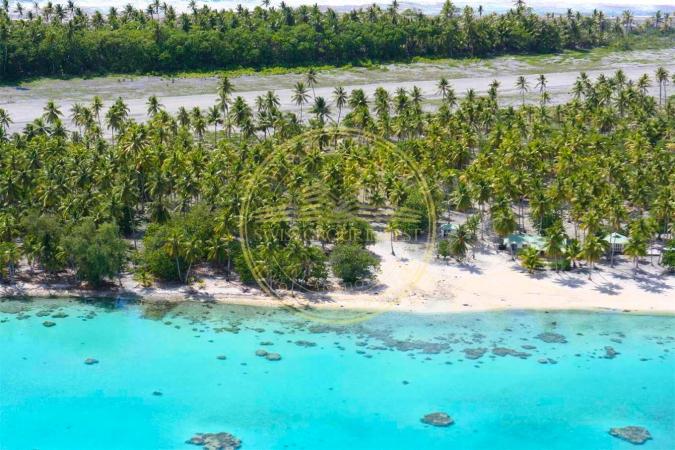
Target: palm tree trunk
(178,268)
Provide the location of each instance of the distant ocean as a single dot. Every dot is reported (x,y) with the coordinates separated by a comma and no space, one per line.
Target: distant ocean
(609,7)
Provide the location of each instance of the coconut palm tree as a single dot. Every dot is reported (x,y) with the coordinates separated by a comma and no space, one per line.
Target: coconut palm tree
(459,242)
(224,91)
(530,259)
(555,242)
(627,20)
(52,113)
(320,109)
(5,120)
(636,248)
(198,122)
(571,251)
(96,108)
(310,79)
(662,79)
(300,96)
(214,118)
(154,106)
(592,250)
(443,86)
(340,99)
(523,86)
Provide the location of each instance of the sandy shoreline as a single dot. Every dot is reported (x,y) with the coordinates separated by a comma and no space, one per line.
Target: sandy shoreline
(408,282)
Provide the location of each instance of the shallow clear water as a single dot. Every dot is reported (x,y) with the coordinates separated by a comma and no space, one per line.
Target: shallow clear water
(362,386)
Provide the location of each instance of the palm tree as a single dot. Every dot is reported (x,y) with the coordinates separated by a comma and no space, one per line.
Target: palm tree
(192,250)
(541,84)
(310,78)
(96,108)
(459,242)
(572,251)
(218,250)
(154,107)
(183,117)
(172,247)
(320,109)
(554,243)
(214,118)
(443,86)
(241,113)
(662,79)
(504,221)
(340,99)
(300,96)
(198,122)
(52,113)
(5,120)
(492,91)
(592,251)
(530,260)
(616,213)
(522,85)
(627,20)
(115,118)
(643,84)
(636,248)
(392,228)
(76,115)
(225,89)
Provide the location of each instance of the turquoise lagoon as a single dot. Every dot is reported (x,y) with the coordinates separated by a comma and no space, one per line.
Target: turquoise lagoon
(363,385)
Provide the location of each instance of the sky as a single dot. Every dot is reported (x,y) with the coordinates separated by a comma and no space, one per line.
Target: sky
(610,7)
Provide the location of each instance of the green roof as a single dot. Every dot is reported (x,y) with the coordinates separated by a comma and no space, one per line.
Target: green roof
(616,238)
(521,240)
(448,227)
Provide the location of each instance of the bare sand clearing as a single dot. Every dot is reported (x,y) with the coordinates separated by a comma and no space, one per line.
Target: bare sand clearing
(25,103)
(411,282)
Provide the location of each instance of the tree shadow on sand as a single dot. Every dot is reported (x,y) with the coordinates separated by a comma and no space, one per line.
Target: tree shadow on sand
(470,267)
(650,282)
(537,274)
(570,282)
(608,288)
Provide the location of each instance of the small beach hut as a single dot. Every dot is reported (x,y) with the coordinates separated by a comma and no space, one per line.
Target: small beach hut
(446,229)
(519,241)
(616,241)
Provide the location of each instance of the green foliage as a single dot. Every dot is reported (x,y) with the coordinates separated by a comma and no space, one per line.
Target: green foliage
(42,240)
(412,218)
(285,267)
(154,258)
(443,248)
(207,39)
(668,257)
(342,228)
(171,249)
(530,259)
(560,264)
(636,247)
(95,253)
(459,242)
(597,160)
(9,259)
(351,263)
(572,252)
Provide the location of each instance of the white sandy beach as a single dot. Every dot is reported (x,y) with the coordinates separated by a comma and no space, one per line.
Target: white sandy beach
(409,282)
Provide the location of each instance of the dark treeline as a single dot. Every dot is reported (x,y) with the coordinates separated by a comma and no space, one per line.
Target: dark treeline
(58,40)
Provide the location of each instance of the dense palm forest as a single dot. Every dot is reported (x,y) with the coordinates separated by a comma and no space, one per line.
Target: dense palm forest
(62,40)
(179,187)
